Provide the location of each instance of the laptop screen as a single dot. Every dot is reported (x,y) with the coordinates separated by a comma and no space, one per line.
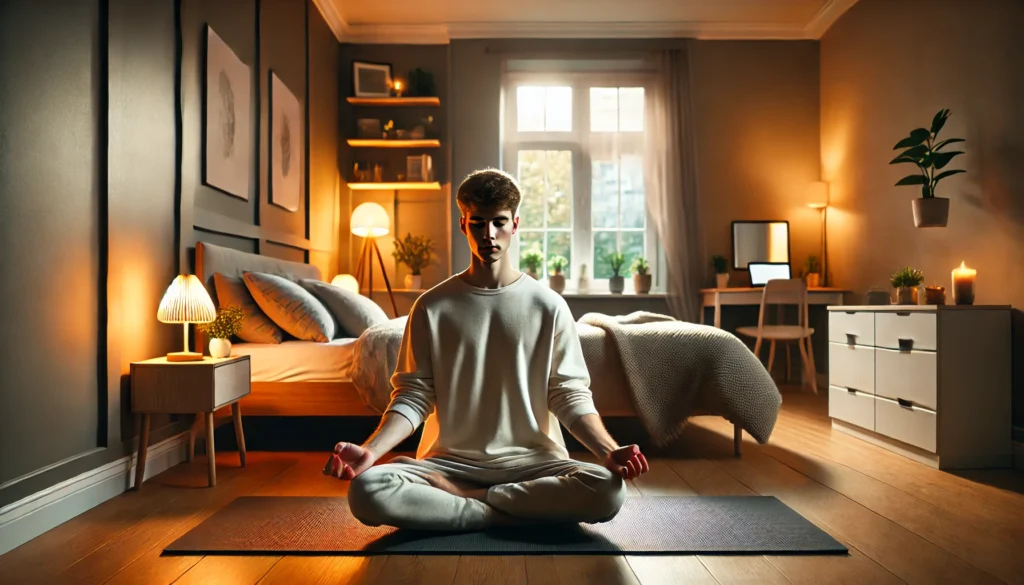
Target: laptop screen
(762,272)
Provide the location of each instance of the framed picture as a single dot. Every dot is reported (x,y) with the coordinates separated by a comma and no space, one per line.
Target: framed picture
(371,79)
(286,145)
(227,148)
(419,168)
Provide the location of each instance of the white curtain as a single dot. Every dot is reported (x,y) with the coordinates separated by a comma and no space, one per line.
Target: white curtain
(671,183)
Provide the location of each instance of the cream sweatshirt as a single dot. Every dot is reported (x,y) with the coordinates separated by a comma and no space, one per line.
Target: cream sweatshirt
(484,370)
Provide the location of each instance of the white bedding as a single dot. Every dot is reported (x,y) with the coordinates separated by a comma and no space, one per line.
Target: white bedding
(299,361)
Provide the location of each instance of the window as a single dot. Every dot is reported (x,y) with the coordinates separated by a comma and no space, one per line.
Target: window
(575,143)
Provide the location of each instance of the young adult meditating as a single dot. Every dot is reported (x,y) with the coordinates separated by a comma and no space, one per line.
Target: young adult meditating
(487,357)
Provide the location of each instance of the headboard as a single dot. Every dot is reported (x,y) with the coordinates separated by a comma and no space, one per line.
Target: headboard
(211,258)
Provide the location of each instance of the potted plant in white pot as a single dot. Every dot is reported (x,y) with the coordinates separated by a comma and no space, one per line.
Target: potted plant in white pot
(220,331)
(414,252)
(616,283)
(923,150)
(905,281)
(556,280)
(812,272)
(721,271)
(531,260)
(641,275)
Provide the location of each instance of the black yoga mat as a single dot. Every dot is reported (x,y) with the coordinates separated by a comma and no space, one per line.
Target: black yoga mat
(654,525)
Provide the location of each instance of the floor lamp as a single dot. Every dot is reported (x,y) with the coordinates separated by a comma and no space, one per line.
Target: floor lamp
(370,221)
(817,197)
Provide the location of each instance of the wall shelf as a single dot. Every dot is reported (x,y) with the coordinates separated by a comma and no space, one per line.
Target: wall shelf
(435,186)
(395,101)
(384,143)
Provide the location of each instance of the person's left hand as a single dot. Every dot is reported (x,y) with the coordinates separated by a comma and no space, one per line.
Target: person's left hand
(627,462)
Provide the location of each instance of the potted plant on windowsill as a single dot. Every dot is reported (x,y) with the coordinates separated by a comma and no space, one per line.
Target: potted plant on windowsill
(531,260)
(616,283)
(414,252)
(721,271)
(905,281)
(641,275)
(812,272)
(923,151)
(220,331)
(556,280)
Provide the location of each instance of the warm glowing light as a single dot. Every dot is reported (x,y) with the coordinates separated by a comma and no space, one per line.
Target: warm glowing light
(817,195)
(370,220)
(186,301)
(347,282)
(778,242)
(963,284)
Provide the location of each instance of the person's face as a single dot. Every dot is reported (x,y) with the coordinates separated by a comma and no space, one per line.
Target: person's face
(489,231)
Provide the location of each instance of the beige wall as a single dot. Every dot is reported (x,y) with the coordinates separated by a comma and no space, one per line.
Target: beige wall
(886,68)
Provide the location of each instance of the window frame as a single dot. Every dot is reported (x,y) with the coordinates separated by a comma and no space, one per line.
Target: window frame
(513,142)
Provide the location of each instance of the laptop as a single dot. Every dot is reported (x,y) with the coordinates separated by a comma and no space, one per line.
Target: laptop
(762,272)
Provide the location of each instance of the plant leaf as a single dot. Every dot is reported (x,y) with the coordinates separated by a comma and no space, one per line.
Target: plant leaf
(916,137)
(945,174)
(942,159)
(916,152)
(902,158)
(945,142)
(913,180)
(939,120)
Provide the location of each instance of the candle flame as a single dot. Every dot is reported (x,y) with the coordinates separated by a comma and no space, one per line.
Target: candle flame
(962,266)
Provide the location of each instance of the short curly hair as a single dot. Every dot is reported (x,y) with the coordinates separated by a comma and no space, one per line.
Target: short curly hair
(489,188)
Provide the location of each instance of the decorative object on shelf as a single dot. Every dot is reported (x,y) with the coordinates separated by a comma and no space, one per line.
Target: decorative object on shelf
(415,252)
(226,325)
(371,79)
(361,171)
(378,172)
(429,128)
(531,260)
(963,284)
(878,297)
(583,282)
(641,275)
(370,221)
(225,119)
(397,88)
(419,168)
(817,198)
(368,128)
(421,83)
(812,272)
(934,295)
(389,130)
(186,301)
(905,281)
(923,151)
(347,282)
(285,146)
(616,283)
(721,265)
(556,280)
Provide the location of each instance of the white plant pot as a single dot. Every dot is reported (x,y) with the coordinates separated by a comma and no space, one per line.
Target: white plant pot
(931,212)
(220,348)
(557,282)
(413,281)
(616,284)
(722,280)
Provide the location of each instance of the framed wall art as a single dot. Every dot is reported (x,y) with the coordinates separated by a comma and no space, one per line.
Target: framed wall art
(227,98)
(286,145)
(371,79)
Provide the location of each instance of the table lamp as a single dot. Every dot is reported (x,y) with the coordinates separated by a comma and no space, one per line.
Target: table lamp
(817,198)
(370,221)
(347,282)
(186,301)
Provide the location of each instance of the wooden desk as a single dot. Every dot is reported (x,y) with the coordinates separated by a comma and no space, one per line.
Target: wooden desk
(717,297)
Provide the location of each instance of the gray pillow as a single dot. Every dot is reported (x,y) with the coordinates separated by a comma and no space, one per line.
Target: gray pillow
(256,327)
(290,306)
(354,313)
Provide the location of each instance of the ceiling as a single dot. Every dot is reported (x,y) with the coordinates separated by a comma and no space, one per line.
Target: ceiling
(439,21)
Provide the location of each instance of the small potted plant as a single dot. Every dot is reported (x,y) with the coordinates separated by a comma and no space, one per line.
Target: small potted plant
(721,271)
(531,260)
(616,283)
(414,252)
(923,151)
(812,272)
(905,281)
(641,275)
(556,280)
(226,325)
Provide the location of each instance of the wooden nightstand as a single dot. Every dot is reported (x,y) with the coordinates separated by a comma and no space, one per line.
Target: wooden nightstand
(160,386)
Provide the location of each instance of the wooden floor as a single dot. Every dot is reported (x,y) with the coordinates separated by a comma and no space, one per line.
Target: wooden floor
(902,521)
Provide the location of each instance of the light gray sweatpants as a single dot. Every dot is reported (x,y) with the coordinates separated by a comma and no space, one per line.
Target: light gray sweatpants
(398,494)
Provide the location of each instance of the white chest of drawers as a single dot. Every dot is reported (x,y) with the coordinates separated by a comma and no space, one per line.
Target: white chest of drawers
(929,382)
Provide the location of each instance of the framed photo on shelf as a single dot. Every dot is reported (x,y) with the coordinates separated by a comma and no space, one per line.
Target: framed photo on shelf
(419,168)
(371,79)
(285,145)
(227,146)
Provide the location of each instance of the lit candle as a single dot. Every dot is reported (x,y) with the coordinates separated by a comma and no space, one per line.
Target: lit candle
(963,285)
(398,88)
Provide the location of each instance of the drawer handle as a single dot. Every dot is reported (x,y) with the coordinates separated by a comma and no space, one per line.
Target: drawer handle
(906,344)
(851,339)
(850,312)
(902,313)
(851,390)
(905,403)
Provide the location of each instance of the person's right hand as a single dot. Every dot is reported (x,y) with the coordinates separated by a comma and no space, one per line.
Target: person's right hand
(348,461)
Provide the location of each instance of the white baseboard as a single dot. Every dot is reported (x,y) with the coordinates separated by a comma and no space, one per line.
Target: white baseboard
(29,517)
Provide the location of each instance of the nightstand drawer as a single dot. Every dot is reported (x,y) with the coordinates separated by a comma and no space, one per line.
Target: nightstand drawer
(910,375)
(912,425)
(159,386)
(231,382)
(853,407)
(851,367)
(906,330)
(851,328)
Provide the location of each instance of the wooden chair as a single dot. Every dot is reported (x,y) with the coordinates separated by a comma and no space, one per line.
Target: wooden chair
(781,293)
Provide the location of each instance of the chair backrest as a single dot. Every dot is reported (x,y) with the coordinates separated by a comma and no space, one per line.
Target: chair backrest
(791,291)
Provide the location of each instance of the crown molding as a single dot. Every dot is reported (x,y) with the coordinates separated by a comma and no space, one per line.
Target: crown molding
(398,34)
(826,17)
(329,10)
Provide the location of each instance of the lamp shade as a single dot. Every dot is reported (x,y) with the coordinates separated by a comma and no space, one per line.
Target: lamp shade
(817,195)
(370,220)
(347,282)
(186,301)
